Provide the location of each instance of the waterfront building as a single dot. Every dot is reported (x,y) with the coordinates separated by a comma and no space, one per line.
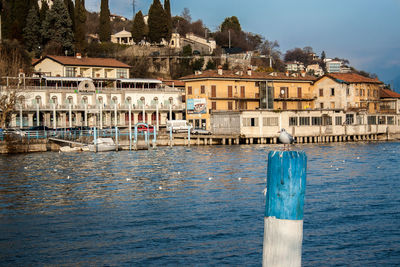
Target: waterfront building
(63,66)
(210,91)
(389,101)
(311,126)
(347,91)
(59,102)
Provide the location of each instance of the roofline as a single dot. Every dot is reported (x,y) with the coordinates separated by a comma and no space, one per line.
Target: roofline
(50,57)
(241,78)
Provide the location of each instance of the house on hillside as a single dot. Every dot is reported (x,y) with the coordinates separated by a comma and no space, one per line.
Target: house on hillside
(122,37)
(347,91)
(62,66)
(294,66)
(315,69)
(200,44)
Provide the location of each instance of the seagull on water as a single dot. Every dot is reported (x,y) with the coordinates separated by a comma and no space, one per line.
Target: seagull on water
(285,138)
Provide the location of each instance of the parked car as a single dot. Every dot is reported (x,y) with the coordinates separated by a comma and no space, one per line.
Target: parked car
(143,128)
(200,131)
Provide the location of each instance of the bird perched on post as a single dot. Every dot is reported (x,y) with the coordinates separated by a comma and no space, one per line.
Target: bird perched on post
(285,138)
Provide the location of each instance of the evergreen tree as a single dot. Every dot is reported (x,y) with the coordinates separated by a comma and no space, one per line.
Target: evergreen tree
(167,8)
(80,26)
(57,26)
(231,23)
(32,35)
(157,22)
(105,25)
(43,11)
(19,13)
(139,27)
(71,11)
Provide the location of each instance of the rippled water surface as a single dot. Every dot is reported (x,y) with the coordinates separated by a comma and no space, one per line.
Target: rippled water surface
(194,206)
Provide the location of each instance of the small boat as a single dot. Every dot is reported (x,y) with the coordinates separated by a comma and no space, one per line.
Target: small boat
(70,149)
(103,144)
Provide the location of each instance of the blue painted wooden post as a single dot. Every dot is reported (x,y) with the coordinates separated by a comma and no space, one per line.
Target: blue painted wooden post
(283,222)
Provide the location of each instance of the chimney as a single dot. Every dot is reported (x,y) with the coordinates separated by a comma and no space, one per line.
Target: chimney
(78,55)
(249,71)
(287,73)
(219,70)
(303,73)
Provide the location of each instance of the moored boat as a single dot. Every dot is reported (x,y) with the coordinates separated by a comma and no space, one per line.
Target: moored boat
(102,145)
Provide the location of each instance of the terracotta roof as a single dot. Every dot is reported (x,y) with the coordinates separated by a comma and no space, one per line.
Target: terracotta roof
(386,93)
(226,74)
(176,83)
(34,60)
(351,78)
(86,61)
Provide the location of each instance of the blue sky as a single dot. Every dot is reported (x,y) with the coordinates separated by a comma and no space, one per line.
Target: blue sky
(366,32)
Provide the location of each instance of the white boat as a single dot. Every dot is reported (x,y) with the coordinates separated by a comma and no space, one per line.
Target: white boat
(70,149)
(103,144)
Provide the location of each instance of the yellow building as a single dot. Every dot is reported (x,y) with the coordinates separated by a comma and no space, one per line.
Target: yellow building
(348,92)
(237,91)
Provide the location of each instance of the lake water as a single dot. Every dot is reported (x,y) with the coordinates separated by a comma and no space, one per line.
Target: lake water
(200,206)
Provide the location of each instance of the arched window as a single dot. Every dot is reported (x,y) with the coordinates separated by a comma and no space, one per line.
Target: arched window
(100,99)
(115,99)
(84,100)
(155,98)
(21,100)
(54,100)
(128,100)
(143,100)
(38,100)
(70,100)
(171,100)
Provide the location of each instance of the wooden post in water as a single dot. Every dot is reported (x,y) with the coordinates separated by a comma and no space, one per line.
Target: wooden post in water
(283,222)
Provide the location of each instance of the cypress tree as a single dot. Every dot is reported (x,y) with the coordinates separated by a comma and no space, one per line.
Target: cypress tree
(19,13)
(32,35)
(80,26)
(167,8)
(157,22)
(57,26)
(105,25)
(139,27)
(43,10)
(71,11)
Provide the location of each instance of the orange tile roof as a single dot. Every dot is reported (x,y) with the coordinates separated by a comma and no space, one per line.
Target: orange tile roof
(226,74)
(176,83)
(352,78)
(86,61)
(386,93)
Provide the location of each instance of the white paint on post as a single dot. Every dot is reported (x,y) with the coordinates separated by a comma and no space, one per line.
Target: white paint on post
(144,114)
(54,117)
(130,126)
(101,115)
(282,242)
(70,116)
(21,119)
(86,122)
(37,115)
(157,122)
(115,115)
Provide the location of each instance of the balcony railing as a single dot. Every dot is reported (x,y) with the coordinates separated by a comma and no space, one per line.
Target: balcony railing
(98,106)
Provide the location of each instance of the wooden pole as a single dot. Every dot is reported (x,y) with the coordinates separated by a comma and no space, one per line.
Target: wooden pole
(283,222)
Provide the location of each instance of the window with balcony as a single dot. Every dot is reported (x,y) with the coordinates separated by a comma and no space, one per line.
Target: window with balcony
(229,91)
(304,121)
(70,72)
(284,92)
(213,91)
(122,73)
(293,121)
(242,91)
(299,92)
